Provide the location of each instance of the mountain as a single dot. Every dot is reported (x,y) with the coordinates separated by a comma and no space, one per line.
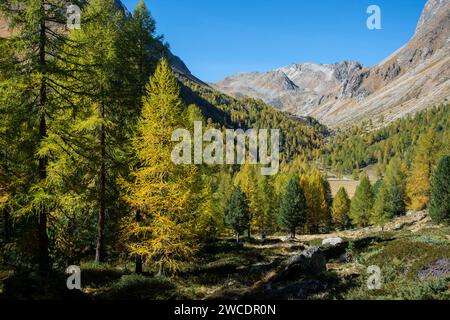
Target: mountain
(340,95)
(298,88)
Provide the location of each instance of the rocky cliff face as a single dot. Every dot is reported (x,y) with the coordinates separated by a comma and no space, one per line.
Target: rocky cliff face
(340,95)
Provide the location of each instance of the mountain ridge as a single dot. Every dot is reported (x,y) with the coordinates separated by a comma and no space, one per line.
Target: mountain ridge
(345,93)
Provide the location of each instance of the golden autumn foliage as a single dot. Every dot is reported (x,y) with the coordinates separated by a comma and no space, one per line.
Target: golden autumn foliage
(419,181)
(160,190)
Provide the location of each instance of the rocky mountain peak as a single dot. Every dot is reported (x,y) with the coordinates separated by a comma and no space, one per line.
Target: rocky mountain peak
(433,9)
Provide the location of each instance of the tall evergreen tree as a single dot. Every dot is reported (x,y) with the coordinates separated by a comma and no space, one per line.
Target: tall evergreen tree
(419,181)
(141,50)
(362,203)
(237,214)
(35,48)
(293,207)
(161,189)
(94,133)
(440,192)
(246,179)
(391,198)
(318,195)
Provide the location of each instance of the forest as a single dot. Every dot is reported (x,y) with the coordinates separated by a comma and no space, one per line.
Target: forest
(87,179)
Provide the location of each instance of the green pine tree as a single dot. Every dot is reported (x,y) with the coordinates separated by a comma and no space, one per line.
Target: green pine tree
(237,214)
(293,208)
(440,192)
(362,203)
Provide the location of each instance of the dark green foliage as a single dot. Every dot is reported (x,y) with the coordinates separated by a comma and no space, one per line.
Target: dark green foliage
(237,214)
(293,206)
(362,203)
(440,192)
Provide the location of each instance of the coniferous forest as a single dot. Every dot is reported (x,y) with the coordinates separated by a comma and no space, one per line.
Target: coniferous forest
(87,179)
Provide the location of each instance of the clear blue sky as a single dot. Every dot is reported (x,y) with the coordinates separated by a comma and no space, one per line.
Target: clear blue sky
(217,38)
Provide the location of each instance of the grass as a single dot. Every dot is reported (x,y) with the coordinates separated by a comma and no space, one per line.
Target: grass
(399,261)
(226,270)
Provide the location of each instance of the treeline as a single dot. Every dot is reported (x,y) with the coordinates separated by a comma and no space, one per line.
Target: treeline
(362,146)
(392,195)
(297,200)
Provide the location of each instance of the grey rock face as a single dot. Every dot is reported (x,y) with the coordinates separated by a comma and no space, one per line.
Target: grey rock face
(310,262)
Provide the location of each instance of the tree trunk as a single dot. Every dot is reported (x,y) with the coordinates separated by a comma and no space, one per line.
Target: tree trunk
(161,270)
(44,261)
(237,237)
(6,225)
(138,260)
(99,253)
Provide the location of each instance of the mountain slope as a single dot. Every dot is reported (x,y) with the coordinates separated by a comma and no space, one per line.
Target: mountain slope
(340,95)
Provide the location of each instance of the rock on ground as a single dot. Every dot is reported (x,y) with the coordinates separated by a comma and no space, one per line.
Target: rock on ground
(332,241)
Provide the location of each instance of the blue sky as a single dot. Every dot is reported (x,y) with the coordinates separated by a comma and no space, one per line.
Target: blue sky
(217,38)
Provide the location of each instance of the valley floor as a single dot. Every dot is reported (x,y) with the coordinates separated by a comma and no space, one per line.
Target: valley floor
(412,254)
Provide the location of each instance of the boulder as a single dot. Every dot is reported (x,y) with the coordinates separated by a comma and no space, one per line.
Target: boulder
(332,241)
(310,262)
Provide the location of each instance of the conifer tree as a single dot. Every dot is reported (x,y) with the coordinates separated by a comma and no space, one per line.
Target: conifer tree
(265,217)
(93,134)
(391,198)
(318,196)
(237,214)
(419,181)
(161,189)
(293,207)
(362,203)
(341,208)
(34,51)
(440,192)
(140,50)
(246,179)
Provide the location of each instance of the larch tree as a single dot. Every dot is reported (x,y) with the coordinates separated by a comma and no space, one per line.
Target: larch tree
(318,209)
(419,181)
(35,47)
(160,189)
(246,179)
(341,208)
(391,198)
(92,135)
